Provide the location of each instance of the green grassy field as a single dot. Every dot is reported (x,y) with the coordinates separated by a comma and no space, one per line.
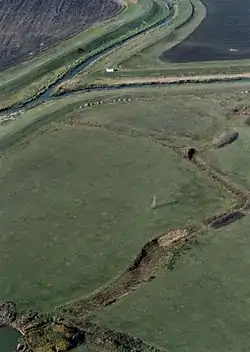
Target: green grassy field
(78,174)
(201,305)
(233,159)
(199,68)
(76,189)
(195,119)
(69,215)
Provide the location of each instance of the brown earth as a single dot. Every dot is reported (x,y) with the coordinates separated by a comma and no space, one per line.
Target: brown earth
(175,79)
(30,26)
(78,84)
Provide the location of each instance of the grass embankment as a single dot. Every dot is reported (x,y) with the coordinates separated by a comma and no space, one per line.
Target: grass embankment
(200,305)
(66,216)
(188,69)
(121,82)
(27,80)
(235,158)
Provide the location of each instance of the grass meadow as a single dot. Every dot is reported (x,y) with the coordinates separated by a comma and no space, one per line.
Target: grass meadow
(201,305)
(75,199)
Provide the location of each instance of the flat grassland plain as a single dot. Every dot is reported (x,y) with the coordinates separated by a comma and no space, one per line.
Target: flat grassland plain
(30,26)
(94,211)
(77,187)
(125,211)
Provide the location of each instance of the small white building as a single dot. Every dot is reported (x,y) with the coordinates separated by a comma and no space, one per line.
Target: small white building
(110,69)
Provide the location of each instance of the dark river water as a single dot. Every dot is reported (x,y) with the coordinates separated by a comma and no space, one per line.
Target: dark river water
(8,340)
(223,35)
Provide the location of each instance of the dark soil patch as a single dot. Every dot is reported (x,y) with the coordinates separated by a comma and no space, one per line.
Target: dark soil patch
(191,153)
(225,138)
(30,26)
(227,219)
(223,35)
(80,50)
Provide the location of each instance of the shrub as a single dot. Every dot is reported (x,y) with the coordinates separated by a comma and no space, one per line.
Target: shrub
(62,345)
(80,50)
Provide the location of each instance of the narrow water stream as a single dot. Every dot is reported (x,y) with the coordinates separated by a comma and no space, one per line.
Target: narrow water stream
(47,94)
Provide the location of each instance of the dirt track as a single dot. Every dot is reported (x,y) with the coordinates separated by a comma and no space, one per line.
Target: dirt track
(74,85)
(176,79)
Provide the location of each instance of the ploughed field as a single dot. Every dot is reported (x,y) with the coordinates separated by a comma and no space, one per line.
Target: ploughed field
(226,26)
(30,26)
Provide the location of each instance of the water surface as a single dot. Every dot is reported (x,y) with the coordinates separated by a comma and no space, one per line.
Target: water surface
(8,340)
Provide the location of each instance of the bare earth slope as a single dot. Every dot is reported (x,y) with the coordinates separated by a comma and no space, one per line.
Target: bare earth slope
(29,26)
